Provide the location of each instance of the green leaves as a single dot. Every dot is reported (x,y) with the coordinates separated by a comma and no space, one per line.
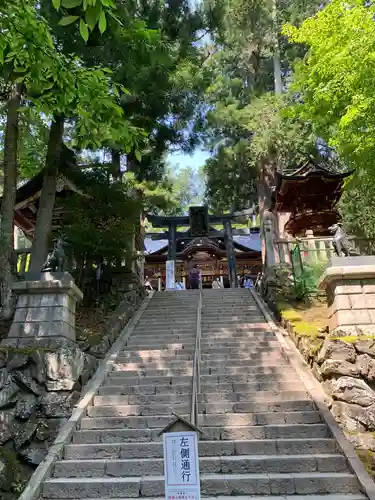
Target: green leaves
(83,29)
(65,21)
(71,4)
(93,13)
(102,22)
(138,155)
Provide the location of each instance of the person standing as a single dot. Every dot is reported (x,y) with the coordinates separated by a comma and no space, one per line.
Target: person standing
(194,275)
(216,283)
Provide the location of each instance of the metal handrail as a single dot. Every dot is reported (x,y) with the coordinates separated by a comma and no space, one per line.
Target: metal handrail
(196,384)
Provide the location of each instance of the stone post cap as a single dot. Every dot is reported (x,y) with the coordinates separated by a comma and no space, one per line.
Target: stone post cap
(49,282)
(348,268)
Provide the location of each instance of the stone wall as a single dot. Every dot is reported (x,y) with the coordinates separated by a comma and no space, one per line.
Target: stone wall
(346,369)
(39,386)
(352,306)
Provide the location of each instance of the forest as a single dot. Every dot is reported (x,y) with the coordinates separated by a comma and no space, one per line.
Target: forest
(109,88)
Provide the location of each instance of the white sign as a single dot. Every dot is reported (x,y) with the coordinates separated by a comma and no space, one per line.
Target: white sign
(181,466)
(170,274)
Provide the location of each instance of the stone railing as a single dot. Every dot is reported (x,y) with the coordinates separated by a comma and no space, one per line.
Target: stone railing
(315,249)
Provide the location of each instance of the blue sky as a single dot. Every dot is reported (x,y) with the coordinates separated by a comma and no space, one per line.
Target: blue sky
(181,160)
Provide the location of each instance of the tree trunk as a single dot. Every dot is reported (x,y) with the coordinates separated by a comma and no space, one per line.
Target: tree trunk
(9,200)
(47,198)
(276,52)
(116,164)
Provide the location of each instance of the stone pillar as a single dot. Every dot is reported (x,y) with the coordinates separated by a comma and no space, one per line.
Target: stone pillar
(45,308)
(270,257)
(228,238)
(310,246)
(350,286)
(172,241)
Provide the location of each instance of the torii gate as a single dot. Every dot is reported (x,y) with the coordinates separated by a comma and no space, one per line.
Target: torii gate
(199,222)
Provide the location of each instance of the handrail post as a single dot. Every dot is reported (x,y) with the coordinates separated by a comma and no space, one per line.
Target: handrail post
(196,384)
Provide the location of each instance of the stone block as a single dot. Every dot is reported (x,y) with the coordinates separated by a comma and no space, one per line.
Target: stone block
(61,313)
(350,317)
(363,301)
(371,312)
(74,468)
(348,287)
(20,314)
(125,468)
(95,487)
(15,330)
(37,314)
(368,286)
(341,302)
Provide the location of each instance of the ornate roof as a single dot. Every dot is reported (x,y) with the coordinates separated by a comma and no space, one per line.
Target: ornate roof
(310,187)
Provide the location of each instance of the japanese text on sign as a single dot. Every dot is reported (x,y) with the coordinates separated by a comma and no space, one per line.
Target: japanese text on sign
(181,466)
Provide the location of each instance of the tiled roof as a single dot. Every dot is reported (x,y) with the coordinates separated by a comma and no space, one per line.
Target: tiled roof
(251,241)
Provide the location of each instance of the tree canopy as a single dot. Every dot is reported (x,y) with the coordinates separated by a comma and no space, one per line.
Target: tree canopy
(334,84)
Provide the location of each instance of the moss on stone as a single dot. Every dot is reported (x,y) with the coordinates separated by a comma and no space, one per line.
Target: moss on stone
(354,338)
(13,478)
(306,329)
(368,460)
(25,350)
(291,315)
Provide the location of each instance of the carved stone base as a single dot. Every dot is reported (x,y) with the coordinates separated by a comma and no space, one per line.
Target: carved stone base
(45,308)
(350,286)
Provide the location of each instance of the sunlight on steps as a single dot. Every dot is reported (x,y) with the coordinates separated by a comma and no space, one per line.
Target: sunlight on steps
(262,436)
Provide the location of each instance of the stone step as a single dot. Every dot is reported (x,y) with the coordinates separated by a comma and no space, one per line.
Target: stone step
(131,358)
(234,397)
(237,316)
(120,378)
(226,433)
(260,375)
(207,366)
(270,367)
(230,419)
(141,409)
(211,484)
(147,355)
(272,418)
(258,407)
(161,364)
(279,464)
(250,340)
(251,386)
(120,389)
(242,347)
(161,347)
(148,422)
(349,496)
(248,359)
(142,399)
(110,435)
(254,330)
(164,372)
(223,324)
(154,449)
(164,331)
(244,355)
(282,431)
(172,338)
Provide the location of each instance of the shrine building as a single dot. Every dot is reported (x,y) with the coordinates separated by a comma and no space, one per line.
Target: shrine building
(306,199)
(224,254)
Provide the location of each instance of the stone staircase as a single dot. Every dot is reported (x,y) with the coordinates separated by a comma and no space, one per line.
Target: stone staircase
(262,438)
